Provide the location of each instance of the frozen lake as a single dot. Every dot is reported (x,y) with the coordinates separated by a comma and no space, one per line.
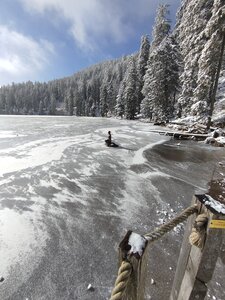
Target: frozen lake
(66,201)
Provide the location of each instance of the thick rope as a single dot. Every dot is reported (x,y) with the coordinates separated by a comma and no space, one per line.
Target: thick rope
(125,269)
(160,231)
(124,273)
(197,236)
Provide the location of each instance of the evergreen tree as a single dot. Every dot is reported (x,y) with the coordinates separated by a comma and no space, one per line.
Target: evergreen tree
(52,108)
(143,56)
(161,81)
(210,62)
(120,101)
(110,98)
(93,107)
(161,78)
(41,108)
(103,100)
(141,67)
(162,26)
(69,101)
(193,18)
(130,95)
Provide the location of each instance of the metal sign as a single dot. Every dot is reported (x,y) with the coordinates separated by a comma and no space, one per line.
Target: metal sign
(217,224)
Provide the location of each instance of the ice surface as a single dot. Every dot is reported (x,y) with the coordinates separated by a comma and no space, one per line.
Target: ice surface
(33,154)
(19,239)
(66,199)
(139,155)
(4,134)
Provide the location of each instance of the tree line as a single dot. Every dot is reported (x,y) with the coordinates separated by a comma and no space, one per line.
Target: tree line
(176,74)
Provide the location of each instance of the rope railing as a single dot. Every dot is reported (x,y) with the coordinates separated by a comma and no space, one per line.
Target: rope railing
(163,229)
(125,269)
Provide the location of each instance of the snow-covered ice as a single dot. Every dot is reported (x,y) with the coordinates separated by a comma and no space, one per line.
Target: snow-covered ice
(66,200)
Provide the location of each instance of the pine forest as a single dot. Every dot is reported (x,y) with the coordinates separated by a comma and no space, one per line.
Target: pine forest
(176,73)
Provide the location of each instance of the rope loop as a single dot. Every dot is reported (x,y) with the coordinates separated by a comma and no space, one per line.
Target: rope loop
(198,233)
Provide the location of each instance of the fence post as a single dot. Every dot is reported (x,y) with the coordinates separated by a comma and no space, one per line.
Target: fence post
(135,285)
(196,266)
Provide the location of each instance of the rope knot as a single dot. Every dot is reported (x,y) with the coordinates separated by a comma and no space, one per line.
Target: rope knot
(197,236)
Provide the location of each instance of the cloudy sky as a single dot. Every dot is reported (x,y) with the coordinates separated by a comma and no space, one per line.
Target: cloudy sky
(42,40)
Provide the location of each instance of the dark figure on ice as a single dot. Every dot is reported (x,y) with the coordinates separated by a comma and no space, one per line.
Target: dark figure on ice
(109,137)
(109,142)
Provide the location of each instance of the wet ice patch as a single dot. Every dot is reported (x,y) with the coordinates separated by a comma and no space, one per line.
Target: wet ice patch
(139,157)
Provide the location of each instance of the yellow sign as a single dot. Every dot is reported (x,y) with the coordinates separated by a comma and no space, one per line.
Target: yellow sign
(217,224)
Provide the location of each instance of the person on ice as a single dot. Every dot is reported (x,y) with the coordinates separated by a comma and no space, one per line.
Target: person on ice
(109,140)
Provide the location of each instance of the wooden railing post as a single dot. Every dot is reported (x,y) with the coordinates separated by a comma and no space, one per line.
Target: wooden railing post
(196,266)
(135,287)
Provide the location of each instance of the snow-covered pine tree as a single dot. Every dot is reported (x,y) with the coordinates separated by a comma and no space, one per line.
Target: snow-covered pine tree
(130,94)
(93,108)
(120,101)
(52,108)
(103,100)
(172,65)
(161,27)
(161,78)
(143,56)
(68,101)
(41,108)
(192,20)
(141,67)
(110,98)
(152,89)
(210,62)
(161,81)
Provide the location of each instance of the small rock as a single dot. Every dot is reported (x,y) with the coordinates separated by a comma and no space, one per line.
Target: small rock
(90,288)
(152,281)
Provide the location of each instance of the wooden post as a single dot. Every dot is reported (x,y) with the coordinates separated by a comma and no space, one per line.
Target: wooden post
(196,266)
(135,287)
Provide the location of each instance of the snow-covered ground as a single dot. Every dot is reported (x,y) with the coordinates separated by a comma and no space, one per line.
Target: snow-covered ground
(67,200)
